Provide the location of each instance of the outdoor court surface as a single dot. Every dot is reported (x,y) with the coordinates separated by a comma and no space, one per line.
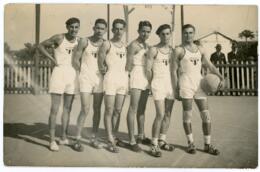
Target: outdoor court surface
(234,133)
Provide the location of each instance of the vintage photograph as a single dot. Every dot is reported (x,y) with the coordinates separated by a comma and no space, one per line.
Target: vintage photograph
(130,85)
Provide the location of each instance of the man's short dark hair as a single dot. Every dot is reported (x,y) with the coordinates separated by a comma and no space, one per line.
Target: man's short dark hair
(218,45)
(144,23)
(72,20)
(163,27)
(188,26)
(101,21)
(121,21)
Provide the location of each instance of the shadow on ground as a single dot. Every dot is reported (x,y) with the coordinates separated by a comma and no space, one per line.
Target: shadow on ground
(39,131)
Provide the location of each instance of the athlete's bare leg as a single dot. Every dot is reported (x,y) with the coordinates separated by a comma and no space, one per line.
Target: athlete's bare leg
(141,113)
(55,103)
(132,111)
(97,102)
(167,116)
(119,102)
(109,108)
(85,105)
(160,109)
(65,119)
(206,126)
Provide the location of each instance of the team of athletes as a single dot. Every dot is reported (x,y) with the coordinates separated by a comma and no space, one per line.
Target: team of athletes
(109,69)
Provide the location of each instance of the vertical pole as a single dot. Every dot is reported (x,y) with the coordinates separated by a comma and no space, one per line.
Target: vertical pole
(173,25)
(182,22)
(36,55)
(108,21)
(127,22)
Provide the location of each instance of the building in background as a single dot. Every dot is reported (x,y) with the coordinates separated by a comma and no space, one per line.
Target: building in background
(210,41)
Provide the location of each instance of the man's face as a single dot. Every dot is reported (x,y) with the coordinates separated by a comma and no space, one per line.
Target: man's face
(234,47)
(73,29)
(144,32)
(218,48)
(165,35)
(118,30)
(99,30)
(188,34)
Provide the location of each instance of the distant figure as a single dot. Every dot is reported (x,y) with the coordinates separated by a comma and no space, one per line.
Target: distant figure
(234,56)
(218,56)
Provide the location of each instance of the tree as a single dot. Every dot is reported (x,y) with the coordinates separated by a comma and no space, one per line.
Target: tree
(247,34)
(26,53)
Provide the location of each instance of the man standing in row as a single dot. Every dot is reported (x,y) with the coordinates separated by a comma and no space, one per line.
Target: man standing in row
(63,80)
(90,81)
(111,63)
(188,61)
(158,71)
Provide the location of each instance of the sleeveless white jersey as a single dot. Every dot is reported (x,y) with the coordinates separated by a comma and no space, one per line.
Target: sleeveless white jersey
(89,64)
(191,64)
(63,53)
(116,59)
(161,65)
(139,58)
(138,78)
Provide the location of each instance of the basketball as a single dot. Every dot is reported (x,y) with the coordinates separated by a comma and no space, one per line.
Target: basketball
(210,83)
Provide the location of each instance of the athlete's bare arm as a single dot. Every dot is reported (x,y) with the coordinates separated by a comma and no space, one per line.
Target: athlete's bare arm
(102,52)
(149,63)
(132,49)
(206,62)
(176,58)
(78,52)
(54,41)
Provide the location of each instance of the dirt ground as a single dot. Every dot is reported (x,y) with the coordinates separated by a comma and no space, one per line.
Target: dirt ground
(234,133)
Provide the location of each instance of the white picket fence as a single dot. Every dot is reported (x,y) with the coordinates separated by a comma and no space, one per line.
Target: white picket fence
(19,76)
(241,77)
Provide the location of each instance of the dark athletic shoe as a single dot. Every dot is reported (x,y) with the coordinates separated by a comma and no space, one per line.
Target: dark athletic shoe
(77,146)
(165,146)
(191,148)
(112,147)
(144,141)
(135,148)
(208,148)
(155,151)
(120,143)
(96,144)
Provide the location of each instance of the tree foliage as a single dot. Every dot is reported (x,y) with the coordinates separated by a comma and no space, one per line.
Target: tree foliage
(247,34)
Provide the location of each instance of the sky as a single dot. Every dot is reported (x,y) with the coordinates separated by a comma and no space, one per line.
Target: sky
(19,20)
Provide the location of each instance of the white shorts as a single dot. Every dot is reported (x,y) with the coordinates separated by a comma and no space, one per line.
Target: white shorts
(115,83)
(190,87)
(162,89)
(138,78)
(64,79)
(91,83)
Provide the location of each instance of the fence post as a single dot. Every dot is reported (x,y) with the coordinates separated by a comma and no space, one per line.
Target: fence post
(36,88)
(36,55)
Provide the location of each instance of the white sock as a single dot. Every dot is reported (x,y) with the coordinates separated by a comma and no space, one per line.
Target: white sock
(162,137)
(207,139)
(190,138)
(155,141)
(78,137)
(141,136)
